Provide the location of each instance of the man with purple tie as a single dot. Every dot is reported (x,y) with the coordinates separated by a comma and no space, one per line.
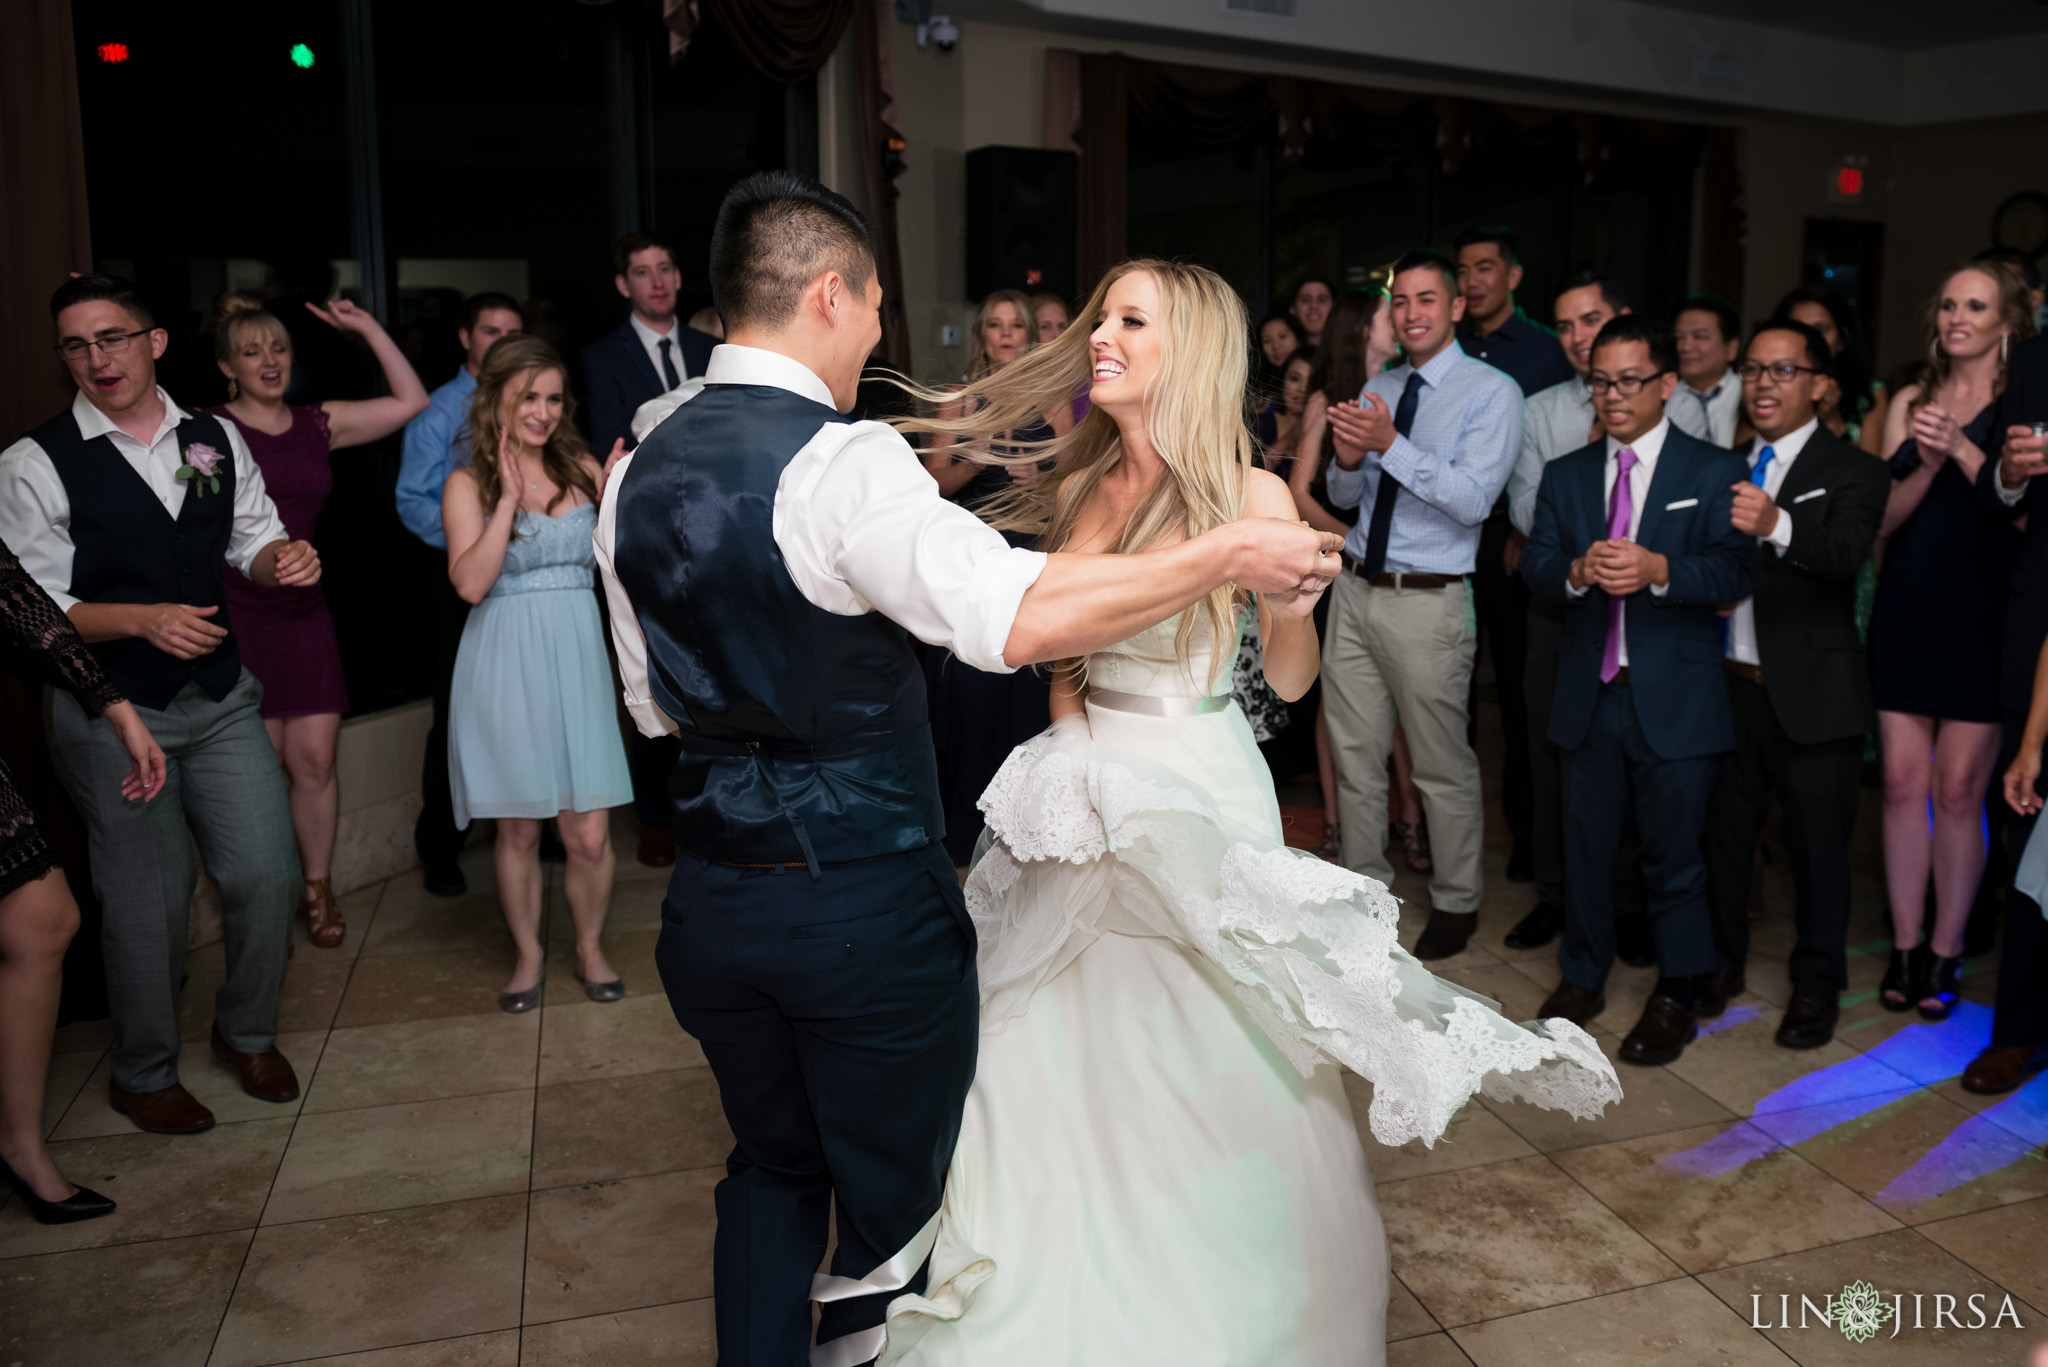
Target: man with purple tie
(1633,535)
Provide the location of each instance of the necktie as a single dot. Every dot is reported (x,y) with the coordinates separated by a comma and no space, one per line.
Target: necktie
(1390,488)
(668,367)
(1763,463)
(1621,507)
(1707,411)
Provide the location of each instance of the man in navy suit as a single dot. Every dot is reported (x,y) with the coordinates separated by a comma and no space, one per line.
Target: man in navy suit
(1634,535)
(646,356)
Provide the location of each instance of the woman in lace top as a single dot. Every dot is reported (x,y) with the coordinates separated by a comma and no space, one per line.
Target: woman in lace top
(37,914)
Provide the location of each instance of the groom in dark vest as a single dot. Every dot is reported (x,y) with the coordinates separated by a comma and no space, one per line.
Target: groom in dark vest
(767,561)
(128,510)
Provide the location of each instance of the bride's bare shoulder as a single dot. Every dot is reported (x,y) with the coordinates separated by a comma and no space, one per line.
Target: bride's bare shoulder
(1267,495)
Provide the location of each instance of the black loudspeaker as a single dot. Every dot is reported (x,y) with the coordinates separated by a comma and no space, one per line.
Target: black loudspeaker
(1020,221)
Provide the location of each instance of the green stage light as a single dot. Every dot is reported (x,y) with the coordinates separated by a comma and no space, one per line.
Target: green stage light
(302,56)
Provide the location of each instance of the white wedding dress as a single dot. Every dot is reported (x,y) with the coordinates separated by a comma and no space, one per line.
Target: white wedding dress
(1157,1163)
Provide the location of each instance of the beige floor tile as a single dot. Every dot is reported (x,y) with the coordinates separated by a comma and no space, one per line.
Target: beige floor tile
(1672,1324)
(383,1065)
(1721,1194)
(1901,1263)
(1653,1101)
(1406,1319)
(2004,1244)
(500,1349)
(619,1245)
(1626,988)
(101,1306)
(209,1080)
(87,1037)
(1475,1136)
(628,1127)
(1433,1350)
(636,907)
(1741,1066)
(681,1335)
(374,1281)
(410,921)
(1491,1241)
(63,1082)
(307,1001)
(613,1039)
(631,953)
(1519,995)
(408,987)
(166,1186)
(387,1157)
(1917,1156)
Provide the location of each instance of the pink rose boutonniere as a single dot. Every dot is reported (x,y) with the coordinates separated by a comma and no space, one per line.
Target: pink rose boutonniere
(201,461)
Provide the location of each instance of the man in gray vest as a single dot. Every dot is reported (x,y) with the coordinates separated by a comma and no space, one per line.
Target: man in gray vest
(767,561)
(127,510)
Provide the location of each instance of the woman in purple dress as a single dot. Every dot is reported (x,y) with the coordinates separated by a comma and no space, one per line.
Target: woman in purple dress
(286,637)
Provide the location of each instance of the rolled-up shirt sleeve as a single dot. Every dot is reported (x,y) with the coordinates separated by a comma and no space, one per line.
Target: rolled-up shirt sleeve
(35,518)
(1345,488)
(863,528)
(256,521)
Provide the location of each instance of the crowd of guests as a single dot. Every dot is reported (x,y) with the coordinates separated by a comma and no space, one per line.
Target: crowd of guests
(1713,567)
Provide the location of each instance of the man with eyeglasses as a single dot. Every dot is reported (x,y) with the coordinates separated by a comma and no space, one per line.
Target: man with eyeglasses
(1634,536)
(127,510)
(1798,686)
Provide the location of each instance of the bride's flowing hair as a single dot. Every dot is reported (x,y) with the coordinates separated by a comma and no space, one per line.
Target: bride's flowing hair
(1194,413)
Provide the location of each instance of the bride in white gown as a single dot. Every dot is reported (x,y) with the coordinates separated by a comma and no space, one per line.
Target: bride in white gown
(1158,1164)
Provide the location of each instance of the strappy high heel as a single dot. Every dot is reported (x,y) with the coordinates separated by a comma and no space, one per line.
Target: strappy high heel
(324,923)
(1944,985)
(1904,976)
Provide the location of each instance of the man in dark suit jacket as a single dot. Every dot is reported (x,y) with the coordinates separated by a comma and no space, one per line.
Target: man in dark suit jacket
(2011,485)
(648,354)
(1633,534)
(1798,686)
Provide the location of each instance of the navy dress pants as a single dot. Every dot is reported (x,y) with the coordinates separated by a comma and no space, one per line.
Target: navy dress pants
(1613,772)
(840,1017)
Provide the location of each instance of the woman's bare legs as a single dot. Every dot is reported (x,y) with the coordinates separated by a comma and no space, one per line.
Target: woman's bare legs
(587,879)
(1326,766)
(37,921)
(516,856)
(1906,745)
(1964,754)
(306,744)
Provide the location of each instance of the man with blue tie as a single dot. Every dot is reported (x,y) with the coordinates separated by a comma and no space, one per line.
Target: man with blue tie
(1422,456)
(650,353)
(1635,535)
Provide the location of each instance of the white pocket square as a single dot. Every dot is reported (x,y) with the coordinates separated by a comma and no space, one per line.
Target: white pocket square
(1810,493)
(1682,503)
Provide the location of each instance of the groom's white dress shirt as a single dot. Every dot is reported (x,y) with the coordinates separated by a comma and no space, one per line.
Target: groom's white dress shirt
(862,528)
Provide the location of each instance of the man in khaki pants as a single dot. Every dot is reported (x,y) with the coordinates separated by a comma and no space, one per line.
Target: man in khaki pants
(1422,455)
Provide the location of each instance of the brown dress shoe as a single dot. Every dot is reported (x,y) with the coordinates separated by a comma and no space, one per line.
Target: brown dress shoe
(1667,1025)
(172,1110)
(1575,1004)
(1445,934)
(657,847)
(265,1076)
(1999,1069)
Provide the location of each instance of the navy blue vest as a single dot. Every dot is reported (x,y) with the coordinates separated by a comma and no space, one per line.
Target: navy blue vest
(805,733)
(127,549)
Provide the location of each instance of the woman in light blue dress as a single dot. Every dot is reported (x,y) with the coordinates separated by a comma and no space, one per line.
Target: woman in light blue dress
(532,724)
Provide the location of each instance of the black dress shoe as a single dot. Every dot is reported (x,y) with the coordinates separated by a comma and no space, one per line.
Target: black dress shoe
(1633,943)
(83,1204)
(1667,1025)
(1575,1004)
(1810,1019)
(1711,991)
(444,880)
(1538,928)
(1445,934)
(1521,869)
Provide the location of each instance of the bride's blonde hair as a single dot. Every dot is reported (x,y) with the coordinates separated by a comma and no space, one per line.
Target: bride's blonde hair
(1194,413)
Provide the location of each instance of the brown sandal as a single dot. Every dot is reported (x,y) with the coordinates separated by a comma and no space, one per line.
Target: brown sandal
(1414,838)
(1332,846)
(324,923)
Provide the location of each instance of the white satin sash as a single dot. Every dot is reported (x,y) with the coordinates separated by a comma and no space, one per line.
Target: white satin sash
(864,1345)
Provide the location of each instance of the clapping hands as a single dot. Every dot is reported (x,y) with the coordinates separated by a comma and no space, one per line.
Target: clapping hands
(1937,433)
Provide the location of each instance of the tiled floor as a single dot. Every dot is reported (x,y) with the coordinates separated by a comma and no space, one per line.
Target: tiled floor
(462,1188)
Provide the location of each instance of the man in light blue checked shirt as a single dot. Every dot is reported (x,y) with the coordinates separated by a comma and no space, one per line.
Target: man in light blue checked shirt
(1423,456)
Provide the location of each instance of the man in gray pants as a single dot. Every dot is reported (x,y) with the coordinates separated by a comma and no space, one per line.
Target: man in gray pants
(126,509)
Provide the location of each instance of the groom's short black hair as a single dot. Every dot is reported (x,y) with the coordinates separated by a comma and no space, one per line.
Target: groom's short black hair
(115,289)
(777,232)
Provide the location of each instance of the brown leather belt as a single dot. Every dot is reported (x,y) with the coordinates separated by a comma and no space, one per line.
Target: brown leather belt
(1394,580)
(1753,673)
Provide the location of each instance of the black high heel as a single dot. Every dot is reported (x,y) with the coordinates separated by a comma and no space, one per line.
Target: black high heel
(1944,984)
(83,1204)
(1905,975)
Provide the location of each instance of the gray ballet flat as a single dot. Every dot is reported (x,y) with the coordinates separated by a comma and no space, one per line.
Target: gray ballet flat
(603,992)
(516,1002)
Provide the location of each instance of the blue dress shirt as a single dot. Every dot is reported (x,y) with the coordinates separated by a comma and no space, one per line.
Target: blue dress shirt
(436,442)
(1528,351)
(1453,464)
